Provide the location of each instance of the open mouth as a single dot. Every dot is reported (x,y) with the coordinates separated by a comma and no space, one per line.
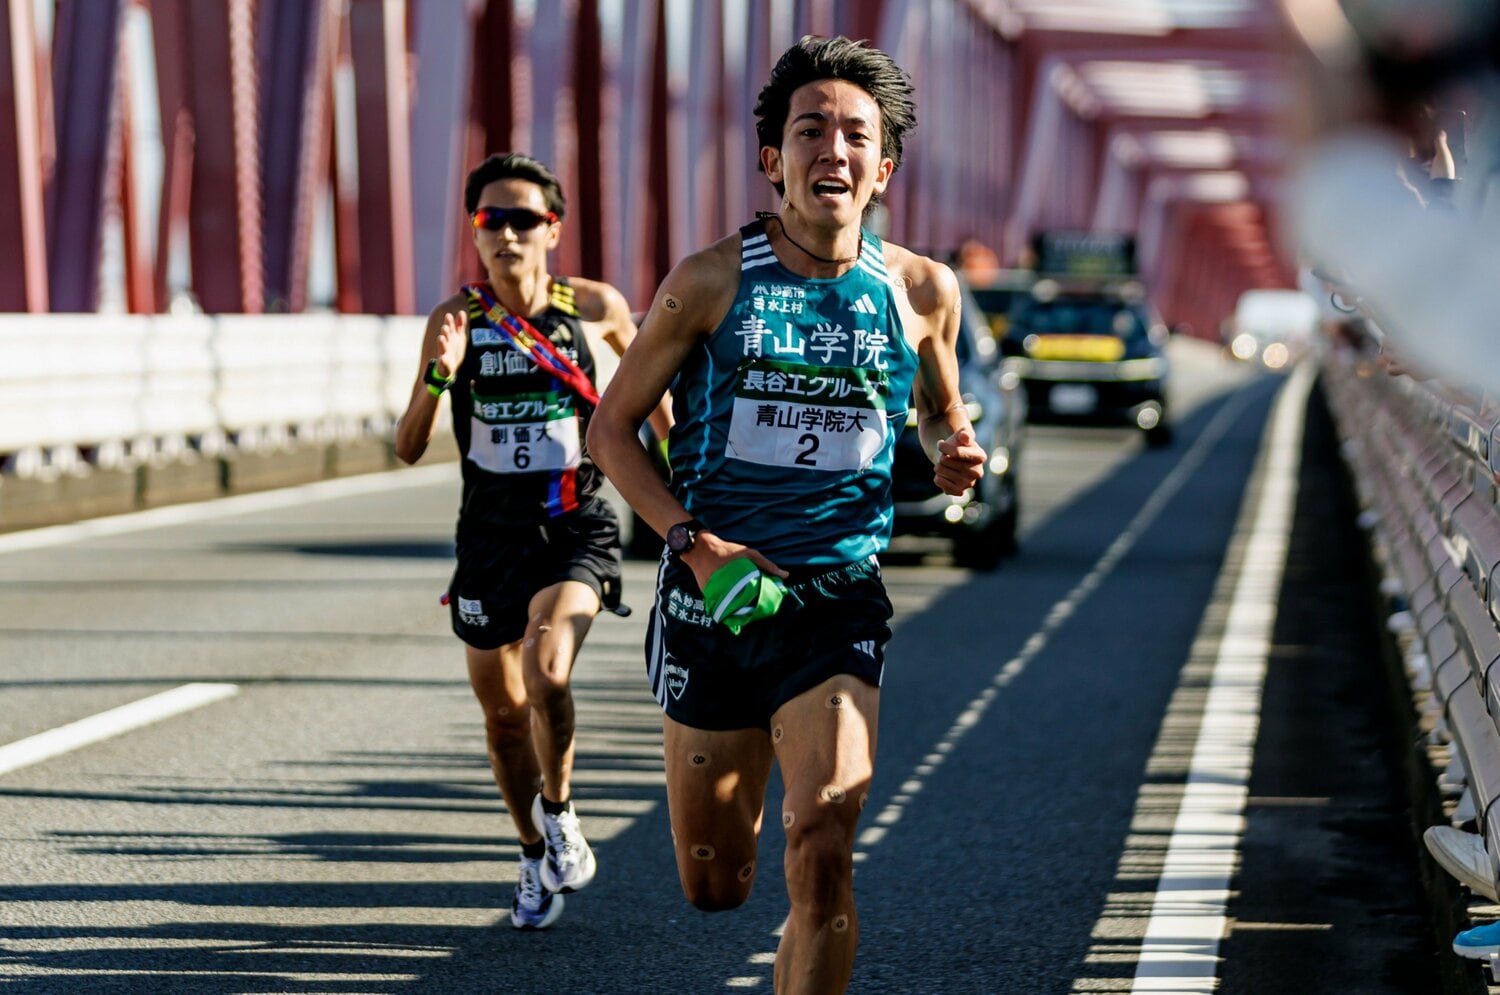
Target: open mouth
(830,188)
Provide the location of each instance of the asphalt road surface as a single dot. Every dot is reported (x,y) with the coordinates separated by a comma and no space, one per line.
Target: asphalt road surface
(300,801)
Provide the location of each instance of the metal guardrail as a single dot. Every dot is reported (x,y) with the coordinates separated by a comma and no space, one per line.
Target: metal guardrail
(86,392)
(1425,459)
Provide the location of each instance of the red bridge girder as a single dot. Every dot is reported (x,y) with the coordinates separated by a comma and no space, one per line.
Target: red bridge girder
(272,110)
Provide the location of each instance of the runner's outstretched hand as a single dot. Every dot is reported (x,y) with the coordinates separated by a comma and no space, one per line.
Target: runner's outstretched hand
(453,342)
(960,462)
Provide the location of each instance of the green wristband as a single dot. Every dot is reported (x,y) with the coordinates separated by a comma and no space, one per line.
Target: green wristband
(436,384)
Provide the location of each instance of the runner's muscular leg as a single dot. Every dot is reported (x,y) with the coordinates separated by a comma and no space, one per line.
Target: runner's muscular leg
(495,676)
(716,790)
(560,616)
(827,755)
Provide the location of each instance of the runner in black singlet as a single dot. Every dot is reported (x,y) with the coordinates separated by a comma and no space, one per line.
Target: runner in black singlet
(538,549)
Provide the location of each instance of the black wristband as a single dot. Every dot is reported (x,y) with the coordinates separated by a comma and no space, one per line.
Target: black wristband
(435,384)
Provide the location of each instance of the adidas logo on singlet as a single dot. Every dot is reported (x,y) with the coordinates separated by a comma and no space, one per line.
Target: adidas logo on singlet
(863,306)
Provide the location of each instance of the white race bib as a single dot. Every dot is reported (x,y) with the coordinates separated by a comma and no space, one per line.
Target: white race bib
(526,433)
(808,417)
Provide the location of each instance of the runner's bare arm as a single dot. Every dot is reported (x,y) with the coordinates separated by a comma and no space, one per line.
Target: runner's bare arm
(446,339)
(942,421)
(603,303)
(689,304)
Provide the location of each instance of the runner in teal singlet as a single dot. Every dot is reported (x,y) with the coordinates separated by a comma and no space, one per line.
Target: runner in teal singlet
(793,349)
(538,551)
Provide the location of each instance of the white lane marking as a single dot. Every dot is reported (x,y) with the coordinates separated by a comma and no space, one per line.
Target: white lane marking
(54,742)
(1059,613)
(239,504)
(1180,950)
(1055,618)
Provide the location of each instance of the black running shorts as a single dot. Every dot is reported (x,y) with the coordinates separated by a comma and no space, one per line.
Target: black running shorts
(500,570)
(833,621)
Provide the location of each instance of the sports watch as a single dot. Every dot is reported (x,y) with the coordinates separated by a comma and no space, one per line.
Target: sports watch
(682,536)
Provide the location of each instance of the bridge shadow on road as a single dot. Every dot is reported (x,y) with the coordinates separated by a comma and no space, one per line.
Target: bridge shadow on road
(407,926)
(991,879)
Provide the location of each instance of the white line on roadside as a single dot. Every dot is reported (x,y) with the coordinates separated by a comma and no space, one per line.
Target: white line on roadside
(1059,613)
(53,742)
(1180,950)
(239,504)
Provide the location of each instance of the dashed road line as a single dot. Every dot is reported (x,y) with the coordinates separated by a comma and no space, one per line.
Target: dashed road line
(239,504)
(64,739)
(1060,612)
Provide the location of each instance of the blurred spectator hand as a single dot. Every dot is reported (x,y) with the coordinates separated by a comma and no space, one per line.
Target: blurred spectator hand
(1431,278)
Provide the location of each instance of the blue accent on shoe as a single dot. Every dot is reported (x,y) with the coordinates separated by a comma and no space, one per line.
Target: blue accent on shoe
(533,907)
(1478,943)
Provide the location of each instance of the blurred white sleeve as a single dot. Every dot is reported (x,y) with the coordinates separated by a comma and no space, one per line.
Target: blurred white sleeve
(1430,278)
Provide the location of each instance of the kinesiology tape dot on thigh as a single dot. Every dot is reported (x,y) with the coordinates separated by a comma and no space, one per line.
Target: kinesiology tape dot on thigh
(702,852)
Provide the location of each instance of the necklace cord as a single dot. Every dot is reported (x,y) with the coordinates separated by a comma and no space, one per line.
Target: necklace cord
(768,215)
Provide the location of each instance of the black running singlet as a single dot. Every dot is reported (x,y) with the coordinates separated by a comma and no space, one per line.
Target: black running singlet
(520,430)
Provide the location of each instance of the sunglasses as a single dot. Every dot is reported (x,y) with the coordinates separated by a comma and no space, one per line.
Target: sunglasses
(518,218)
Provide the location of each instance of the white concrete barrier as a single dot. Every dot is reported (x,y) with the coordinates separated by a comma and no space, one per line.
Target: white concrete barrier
(87,390)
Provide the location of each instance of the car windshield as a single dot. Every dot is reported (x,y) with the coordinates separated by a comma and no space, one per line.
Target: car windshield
(962,347)
(994,300)
(1079,318)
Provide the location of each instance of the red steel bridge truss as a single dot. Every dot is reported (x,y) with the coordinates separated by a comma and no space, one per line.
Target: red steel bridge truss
(292,155)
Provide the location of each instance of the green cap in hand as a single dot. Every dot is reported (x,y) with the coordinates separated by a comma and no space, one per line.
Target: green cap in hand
(738,593)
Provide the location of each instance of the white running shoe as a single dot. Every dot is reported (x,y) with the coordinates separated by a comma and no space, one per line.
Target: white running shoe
(569,864)
(1463,855)
(534,907)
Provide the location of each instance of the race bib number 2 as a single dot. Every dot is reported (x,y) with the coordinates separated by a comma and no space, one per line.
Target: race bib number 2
(807,417)
(525,433)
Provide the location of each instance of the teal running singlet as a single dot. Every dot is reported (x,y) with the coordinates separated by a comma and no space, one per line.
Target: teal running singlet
(787,415)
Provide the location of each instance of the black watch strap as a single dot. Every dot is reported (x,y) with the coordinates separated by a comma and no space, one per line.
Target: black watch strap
(684,535)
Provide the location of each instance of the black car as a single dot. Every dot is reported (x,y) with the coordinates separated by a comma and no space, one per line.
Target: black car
(998,296)
(1093,355)
(982,523)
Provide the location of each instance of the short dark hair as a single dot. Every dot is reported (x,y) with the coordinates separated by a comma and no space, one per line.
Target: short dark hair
(514,166)
(813,59)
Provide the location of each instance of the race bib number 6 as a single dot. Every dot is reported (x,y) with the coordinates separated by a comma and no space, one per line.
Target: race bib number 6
(525,433)
(828,418)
